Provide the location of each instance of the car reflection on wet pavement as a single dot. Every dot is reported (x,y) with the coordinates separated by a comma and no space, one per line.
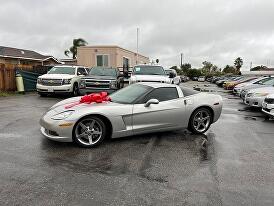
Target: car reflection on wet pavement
(232,164)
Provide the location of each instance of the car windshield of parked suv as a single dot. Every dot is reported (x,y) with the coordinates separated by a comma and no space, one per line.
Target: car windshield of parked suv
(62,70)
(129,94)
(148,70)
(103,72)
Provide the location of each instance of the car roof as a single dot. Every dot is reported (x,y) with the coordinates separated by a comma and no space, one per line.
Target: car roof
(74,66)
(145,65)
(156,84)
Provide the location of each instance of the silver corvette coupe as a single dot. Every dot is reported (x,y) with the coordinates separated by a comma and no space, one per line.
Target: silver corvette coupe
(137,109)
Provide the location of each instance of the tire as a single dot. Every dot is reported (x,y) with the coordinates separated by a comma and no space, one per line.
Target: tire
(200,120)
(75,91)
(85,136)
(42,94)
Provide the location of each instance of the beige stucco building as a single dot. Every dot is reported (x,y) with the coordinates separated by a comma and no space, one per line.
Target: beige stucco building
(108,56)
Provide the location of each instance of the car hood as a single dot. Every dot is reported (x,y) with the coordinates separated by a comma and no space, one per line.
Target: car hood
(241,85)
(263,89)
(56,76)
(254,86)
(150,77)
(72,103)
(100,77)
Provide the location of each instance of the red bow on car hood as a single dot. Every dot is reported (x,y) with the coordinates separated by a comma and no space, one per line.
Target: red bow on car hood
(91,98)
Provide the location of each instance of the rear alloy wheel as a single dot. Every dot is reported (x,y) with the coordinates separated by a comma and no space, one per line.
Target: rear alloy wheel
(200,121)
(89,132)
(75,91)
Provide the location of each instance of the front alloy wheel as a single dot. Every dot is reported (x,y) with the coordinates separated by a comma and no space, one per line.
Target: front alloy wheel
(200,121)
(89,132)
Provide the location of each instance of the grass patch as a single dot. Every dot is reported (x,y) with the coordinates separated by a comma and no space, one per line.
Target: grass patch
(7,94)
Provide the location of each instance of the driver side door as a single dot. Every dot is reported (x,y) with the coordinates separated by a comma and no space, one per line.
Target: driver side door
(166,115)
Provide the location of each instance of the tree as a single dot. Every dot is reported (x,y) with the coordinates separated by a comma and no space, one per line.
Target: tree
(229,69)
(73,49)
(194,73)
(259,68)
(238,63)
(176,69)
(185,67)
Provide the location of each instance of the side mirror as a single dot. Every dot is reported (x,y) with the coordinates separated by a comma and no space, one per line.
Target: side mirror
(171,75)
(151,101)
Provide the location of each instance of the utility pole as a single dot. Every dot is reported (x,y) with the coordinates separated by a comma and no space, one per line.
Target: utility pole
(182,60)
(137,45)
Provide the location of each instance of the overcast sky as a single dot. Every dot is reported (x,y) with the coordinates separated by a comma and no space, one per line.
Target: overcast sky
(212,30)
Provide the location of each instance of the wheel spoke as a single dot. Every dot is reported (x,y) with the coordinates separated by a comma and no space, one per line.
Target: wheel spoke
(97,132)
(81,135)
(92,124)
(83,126)
(90,139)
(205,118)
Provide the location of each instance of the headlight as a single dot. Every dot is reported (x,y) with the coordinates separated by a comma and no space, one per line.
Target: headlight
(62,115)
(82,83)
(39,81)
(112,84)
(66,81)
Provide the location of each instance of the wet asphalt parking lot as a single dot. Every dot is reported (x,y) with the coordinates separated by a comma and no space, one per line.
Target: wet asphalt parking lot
(232,164)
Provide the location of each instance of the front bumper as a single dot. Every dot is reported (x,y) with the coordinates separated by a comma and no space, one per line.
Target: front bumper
(54,89)
(52,129)
(254,101)
(268,109)
(84,91)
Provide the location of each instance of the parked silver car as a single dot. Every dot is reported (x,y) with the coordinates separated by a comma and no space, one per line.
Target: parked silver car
(136,109)
(268,105)
(265,82)
(255,97)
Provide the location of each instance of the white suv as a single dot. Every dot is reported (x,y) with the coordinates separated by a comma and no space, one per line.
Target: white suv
(149,73)
(61,79)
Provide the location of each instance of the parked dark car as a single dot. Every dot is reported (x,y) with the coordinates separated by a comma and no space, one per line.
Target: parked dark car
(101,79)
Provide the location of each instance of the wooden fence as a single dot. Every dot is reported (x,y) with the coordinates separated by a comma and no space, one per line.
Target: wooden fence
(7,76)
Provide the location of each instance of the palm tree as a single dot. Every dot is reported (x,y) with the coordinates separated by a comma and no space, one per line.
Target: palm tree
(238,63)
(73,49)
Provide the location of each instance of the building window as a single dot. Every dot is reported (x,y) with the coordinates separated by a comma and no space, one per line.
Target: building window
(125,62)
(102,60)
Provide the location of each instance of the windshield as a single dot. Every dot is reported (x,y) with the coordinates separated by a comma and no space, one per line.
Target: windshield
(269,82)
(148,70)
(129,94)
(103,72)
(62,70)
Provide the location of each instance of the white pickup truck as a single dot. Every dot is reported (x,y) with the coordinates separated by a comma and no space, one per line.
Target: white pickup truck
(61,79)
(149,73)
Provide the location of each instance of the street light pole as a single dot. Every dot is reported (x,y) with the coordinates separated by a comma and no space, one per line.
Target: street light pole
(182,59)
(137,45)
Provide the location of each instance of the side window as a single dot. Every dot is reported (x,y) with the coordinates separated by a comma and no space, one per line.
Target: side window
(162,94)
